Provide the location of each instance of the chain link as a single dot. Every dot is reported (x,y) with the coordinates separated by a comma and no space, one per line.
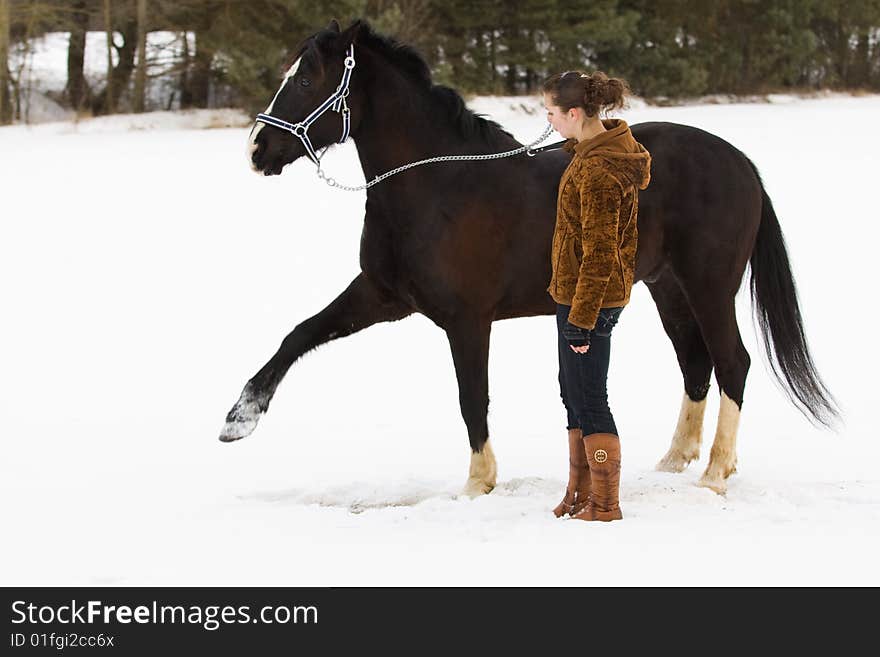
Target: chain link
(442,158)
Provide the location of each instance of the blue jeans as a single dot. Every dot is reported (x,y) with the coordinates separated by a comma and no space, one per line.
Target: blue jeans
(583,377)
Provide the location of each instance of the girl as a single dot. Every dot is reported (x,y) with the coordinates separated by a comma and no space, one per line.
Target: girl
(592,260)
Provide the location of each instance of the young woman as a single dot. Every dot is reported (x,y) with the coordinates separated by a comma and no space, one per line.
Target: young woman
(593,260)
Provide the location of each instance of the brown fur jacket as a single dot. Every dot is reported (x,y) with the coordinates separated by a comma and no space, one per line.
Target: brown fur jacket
(594,243)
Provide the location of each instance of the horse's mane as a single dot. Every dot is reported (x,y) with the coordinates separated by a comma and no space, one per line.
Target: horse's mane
(410,62)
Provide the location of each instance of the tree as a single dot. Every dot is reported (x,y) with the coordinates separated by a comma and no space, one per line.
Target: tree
(5,99)
(410,21)
(848,46)
(107,100)
(140,78)
(108,104)
(76,91)
(232,53)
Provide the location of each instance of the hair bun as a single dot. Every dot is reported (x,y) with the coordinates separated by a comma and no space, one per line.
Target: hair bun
(593,93)
(603,93)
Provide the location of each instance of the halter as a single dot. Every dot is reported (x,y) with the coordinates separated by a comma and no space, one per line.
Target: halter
(336,102)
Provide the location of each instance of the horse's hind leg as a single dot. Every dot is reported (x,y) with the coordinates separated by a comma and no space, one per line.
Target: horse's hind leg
(717,318)
(469,342)
(696,368)
(359,306)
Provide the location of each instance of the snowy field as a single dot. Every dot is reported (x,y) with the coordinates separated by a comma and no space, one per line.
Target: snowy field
(148,273)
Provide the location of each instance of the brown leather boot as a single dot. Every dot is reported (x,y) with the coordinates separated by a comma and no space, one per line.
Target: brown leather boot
(577,493)
(603,458)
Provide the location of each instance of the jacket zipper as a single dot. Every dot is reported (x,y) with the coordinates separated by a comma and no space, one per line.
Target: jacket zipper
(622,233)
(559,252)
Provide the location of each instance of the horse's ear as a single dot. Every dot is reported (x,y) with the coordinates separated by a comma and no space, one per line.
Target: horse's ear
(351,32)
(333,26)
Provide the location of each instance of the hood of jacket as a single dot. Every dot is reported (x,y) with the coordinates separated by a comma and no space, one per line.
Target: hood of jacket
(623,155)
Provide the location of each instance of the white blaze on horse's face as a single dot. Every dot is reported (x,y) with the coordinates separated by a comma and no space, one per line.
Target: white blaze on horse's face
(252,139)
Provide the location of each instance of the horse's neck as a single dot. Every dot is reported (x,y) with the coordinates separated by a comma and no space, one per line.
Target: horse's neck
(403,127)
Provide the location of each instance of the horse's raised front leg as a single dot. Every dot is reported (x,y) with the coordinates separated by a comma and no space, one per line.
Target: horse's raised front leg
(359,306)
(469,341)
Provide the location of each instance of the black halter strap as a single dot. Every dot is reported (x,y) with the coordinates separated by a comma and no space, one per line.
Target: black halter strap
(548,147)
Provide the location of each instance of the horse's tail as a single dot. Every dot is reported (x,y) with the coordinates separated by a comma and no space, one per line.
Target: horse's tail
(775,303)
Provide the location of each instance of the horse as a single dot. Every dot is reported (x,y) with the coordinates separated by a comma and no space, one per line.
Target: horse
(467,243)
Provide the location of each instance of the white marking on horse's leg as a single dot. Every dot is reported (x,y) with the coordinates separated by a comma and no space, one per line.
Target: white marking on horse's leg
(722,458)
(482,474)
(244,416)
(252,138)
(687,438)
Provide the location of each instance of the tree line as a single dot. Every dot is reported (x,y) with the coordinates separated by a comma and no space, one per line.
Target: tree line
(230,52)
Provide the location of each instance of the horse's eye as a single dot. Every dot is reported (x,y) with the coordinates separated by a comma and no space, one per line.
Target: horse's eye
(305,82)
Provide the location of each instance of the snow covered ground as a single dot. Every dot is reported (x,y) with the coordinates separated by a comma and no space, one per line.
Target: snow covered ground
(147,274)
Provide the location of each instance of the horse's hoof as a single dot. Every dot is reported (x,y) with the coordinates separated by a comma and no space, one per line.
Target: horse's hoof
(714,484)
(233,431)
(240,422)
(716,474)
(673,462)
(482,473)
(476,487)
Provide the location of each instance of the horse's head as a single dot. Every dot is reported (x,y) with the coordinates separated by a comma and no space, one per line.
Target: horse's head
(315,75)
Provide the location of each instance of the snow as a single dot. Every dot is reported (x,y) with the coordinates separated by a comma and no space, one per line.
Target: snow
(148,273)
(194,119)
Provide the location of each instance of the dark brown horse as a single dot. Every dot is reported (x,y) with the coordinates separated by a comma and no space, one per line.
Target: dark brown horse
(467,243)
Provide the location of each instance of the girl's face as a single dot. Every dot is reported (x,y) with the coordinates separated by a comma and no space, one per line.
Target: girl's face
(565,123)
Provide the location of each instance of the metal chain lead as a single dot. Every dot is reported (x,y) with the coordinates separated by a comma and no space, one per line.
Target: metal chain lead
(442,158)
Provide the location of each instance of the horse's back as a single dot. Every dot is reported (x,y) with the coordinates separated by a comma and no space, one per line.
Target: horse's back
(703,192)
(687,154)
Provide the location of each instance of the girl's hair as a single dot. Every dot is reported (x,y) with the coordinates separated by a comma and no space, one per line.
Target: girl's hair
(592,93)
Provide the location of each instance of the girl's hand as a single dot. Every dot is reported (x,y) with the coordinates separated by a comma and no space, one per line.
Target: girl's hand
(578,338)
